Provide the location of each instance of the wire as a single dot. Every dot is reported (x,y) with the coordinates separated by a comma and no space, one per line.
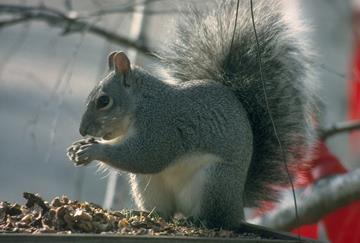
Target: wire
(269,112)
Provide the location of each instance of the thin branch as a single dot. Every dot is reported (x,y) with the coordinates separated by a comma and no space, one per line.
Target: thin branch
(125,8)
(339,128)
(332,71)
(68,21)
(318,200)
(13,21)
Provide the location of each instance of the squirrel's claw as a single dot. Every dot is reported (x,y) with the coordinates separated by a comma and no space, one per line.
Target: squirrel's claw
(83,154)
(78,152)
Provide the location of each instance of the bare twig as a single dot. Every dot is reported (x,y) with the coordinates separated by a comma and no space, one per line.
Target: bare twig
(131,7)
(318,200)
(339,128)
(332,71)
(13,21)
(126,8)
(65,20)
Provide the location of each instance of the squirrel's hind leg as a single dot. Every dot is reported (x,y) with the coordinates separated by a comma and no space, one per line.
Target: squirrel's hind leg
(222,203)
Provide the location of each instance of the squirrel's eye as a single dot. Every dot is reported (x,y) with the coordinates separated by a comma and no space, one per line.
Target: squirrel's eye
(104,101)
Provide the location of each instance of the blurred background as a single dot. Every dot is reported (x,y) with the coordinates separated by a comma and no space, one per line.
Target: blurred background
(48,67)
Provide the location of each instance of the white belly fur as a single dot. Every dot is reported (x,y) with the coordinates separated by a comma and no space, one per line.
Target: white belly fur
(176,189)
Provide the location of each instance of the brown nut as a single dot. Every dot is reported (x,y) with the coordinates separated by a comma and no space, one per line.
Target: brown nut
(14,209)
(81,215)
(100,227)
(85,226)
(27,218)
(60,212)
(65,199)
(2,213)
(69,220)
(56,202)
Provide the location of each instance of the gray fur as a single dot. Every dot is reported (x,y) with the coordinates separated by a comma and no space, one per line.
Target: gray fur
(216,110)
(201,51)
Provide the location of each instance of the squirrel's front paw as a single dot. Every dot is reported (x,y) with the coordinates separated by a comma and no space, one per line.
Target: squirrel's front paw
(84,151)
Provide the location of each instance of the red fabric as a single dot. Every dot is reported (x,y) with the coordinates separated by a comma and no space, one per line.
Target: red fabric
(324,164)
(309,231)
(342,225)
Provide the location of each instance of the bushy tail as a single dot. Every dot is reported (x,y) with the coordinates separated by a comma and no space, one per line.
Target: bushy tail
(201,50)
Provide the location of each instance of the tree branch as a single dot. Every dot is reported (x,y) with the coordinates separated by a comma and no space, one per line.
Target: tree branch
(131,7)
(338,128)
(316,201)
(66,20)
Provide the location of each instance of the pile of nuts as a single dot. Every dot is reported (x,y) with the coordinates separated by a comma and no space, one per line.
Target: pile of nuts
(65,216)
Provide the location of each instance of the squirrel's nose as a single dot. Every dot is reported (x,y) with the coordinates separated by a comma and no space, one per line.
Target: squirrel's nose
(84,129)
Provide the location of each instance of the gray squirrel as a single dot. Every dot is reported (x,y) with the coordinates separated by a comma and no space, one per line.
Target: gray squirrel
(200,140)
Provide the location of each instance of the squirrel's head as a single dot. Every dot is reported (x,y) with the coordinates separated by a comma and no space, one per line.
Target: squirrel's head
(110,106)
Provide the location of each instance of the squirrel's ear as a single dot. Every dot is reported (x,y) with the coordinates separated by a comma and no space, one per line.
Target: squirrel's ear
(111,60)
(121,63)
